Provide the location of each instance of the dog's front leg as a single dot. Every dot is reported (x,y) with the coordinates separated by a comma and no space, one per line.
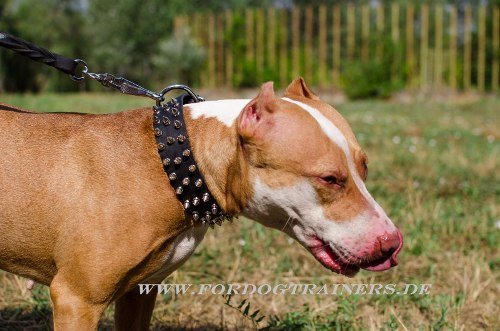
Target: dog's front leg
(133,310)
(72,311)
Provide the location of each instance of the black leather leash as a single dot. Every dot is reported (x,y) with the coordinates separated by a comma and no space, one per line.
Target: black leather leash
(168,124)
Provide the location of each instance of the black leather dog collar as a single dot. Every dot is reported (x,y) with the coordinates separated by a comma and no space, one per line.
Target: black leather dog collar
(179,164)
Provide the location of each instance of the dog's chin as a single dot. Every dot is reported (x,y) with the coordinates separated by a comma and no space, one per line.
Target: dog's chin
(327,257)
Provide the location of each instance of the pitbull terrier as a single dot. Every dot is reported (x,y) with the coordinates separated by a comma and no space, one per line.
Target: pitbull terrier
(87,209)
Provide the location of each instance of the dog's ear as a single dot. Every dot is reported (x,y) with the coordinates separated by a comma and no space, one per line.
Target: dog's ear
(299,88)
(257,112)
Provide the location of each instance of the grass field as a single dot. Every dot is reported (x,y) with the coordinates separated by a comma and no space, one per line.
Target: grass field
(433,167)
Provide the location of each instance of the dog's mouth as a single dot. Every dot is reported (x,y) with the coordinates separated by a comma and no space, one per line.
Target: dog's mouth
(342,263)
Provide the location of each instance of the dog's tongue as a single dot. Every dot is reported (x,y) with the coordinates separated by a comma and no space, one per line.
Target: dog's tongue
(390,262)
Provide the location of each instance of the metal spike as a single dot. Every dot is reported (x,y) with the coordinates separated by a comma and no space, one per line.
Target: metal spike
(156,120)
(174,102)
(170,140)
(196,201)
(177,124)
(172,176)
(214,209)
(198,183)
(185,181)
(218,221)
(187,204)
(166,121)
(181,138)
(178,160)
(161,146)
(179,190)
(156,109)
(192,168)
(186,153)
(228,218)
(208,217)
(196,216)
(158,132)
(205,197)
(211,225)
(166,161)
(175,112)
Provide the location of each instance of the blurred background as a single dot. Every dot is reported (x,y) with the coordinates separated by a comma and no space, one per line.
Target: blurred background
(428,76)
(362,48)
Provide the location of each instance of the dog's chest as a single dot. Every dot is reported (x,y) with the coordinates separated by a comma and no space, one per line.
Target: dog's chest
(180,250)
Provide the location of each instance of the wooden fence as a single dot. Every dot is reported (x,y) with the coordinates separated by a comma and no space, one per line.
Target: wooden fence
(425,46)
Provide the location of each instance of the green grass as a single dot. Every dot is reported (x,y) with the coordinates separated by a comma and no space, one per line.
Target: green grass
(434,169)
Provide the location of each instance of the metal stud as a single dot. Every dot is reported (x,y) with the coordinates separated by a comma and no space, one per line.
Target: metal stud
(175,112)
(192,168)
(177,124)
(205,197)
(166,121)
(166,161)
(158,132)
(185,181)
(181,138)
(161,146)
(214,209)
(170,140)
(156,120)
(156,109)
(208,217)
(196,201)
(187,204)
(178,160)
(198,183)
(172,176)
(186,153)
(196,216)
(174,102)
(179,190)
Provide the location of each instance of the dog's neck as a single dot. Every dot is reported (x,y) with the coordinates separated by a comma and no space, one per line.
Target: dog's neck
(212,130)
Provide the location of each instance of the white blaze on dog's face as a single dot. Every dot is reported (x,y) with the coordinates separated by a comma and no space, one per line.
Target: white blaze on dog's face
(307,171)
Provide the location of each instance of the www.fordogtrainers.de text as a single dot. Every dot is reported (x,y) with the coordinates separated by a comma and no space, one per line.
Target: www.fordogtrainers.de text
(286,289)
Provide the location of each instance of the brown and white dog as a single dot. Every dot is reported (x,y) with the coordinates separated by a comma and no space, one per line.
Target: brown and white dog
(86,208)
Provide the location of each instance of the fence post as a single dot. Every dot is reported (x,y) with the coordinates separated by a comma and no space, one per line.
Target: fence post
(438,46)
(283,47)
(395,39)
(322,42)
(424,50)
(467,47)
(259,45)
(336,45)
(380,29)
(410,55)
(229,49)
(271,37)
(481,58)
(496,49)
(211,50)
(308,45)
(296,42)
(351,31)
(453,47)
(365,31)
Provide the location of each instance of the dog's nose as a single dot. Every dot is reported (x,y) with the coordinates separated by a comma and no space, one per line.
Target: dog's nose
(390,244)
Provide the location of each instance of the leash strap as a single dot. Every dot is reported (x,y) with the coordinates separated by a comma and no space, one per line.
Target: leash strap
(35,53)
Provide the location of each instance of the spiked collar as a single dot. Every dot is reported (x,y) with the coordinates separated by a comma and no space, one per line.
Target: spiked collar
(180,165)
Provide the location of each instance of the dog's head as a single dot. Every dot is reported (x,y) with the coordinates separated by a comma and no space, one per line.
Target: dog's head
(307,171)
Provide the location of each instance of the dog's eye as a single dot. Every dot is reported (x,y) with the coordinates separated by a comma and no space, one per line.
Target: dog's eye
(331,181)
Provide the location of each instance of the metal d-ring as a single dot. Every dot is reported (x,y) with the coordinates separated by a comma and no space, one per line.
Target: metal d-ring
(194,96)
(85,70)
